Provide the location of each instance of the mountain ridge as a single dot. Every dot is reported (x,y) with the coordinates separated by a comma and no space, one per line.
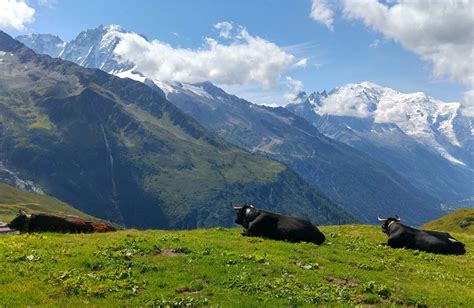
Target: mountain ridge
(116,149)
(427,141)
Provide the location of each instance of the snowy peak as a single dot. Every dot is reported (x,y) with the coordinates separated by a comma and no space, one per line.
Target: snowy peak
(315,98)
(427,120)
(94,48)
(47,44)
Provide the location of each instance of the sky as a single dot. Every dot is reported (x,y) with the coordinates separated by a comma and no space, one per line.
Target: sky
(268,50)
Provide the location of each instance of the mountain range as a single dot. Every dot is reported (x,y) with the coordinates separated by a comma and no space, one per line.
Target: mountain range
(366,182)
(116,149)
(428,141)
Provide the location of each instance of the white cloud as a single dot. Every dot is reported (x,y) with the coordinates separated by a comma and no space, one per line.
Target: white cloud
(345,102)
(441,32)
(15,14)
(224,27)
(296,87)
(390,110)
(301,63)
(469,107)
(322,13)
(246,59)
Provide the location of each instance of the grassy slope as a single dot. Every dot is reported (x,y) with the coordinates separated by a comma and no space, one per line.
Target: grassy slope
(452,221)
(13,199)
(218,266)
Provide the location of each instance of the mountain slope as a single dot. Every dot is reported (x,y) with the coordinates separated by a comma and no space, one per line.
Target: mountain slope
(117,150)
(426,141)
(43,43)
(13,199)
(362,185)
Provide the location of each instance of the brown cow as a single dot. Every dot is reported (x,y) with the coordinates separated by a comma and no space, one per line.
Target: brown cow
(54,223)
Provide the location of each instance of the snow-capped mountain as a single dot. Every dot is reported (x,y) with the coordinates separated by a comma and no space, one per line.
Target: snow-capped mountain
(424,118)
(427,140)
(93,48)
(43,43)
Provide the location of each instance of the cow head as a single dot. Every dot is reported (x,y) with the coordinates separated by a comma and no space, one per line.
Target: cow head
(387,222)
(20,222)
(245,214)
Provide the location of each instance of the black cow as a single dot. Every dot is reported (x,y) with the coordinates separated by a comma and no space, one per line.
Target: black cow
(401,236)
(275,226)
(53,223)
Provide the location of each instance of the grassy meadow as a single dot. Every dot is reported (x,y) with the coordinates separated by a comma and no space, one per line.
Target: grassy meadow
(219,267)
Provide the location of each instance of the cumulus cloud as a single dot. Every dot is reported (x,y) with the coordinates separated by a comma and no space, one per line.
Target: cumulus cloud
(441,32)
(390,110)
(322,13)
(345,102)
(224,28)
(15,14)
(246,59)
(295,94)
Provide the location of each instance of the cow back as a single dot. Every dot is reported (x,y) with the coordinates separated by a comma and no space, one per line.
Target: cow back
(281,227)
(402,236)
(62,224)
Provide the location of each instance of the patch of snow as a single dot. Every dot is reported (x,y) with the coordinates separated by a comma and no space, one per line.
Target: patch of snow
(165,87)
(448,111)
(198,90)
(132,75)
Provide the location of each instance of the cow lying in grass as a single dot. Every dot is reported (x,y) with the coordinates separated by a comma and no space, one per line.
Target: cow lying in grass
(275,226)
(401,236)
(53,223)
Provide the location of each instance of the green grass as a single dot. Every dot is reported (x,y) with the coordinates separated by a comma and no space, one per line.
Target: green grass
(12,200)
(461,220)
(220,267)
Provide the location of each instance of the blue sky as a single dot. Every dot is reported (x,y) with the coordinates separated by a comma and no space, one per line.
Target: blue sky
(334,58)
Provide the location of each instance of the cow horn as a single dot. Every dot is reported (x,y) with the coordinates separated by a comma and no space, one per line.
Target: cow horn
(381,219)
(397,218)
(21,212)
(237,208)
